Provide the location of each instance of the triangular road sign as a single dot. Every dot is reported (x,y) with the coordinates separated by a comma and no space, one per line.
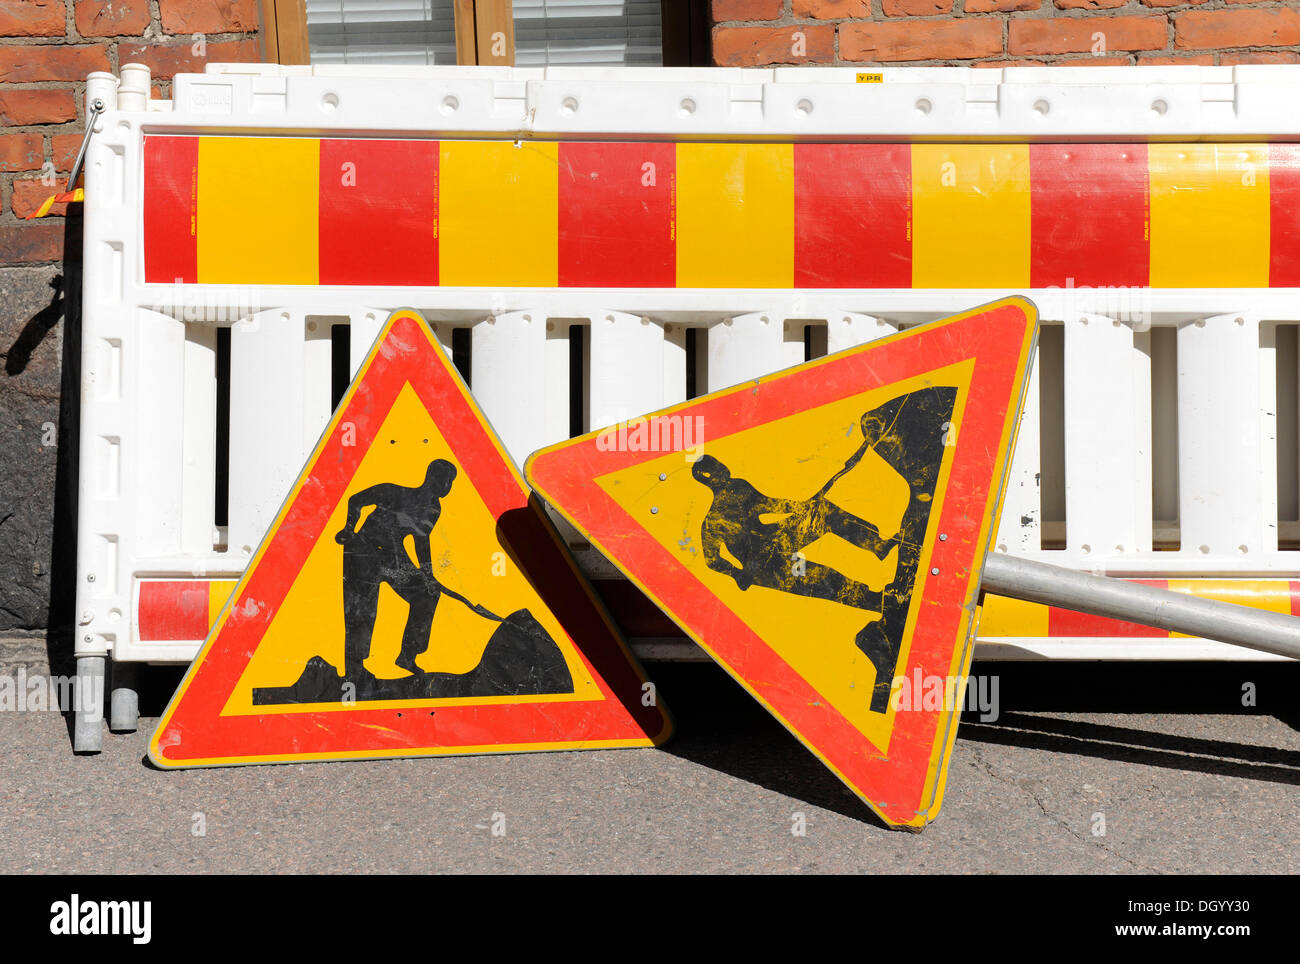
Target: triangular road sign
(410,599)
(821,532)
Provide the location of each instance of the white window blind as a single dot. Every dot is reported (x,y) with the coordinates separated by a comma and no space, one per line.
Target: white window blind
(582,32)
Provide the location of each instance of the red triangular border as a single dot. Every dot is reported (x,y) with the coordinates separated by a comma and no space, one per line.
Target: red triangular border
(193,732)
(904,786)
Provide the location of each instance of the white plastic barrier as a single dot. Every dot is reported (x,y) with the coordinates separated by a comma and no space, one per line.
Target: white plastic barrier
(1089,462)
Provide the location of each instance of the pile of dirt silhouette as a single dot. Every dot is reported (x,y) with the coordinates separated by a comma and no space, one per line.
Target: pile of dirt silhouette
(520,659)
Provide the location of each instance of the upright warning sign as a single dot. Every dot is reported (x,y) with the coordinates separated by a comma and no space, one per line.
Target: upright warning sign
(821,533)
(408,600)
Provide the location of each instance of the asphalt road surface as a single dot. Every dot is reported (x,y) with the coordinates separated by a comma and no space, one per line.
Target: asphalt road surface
(1088,769)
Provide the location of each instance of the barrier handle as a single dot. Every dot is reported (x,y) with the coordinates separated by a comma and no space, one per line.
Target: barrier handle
(1050,585)
(96,108)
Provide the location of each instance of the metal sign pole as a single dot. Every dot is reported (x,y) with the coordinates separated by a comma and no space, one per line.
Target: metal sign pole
(1118,599)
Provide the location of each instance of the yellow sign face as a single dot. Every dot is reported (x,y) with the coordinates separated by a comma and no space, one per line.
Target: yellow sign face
(821,533)
(464,553)
(408,600)
(791,459)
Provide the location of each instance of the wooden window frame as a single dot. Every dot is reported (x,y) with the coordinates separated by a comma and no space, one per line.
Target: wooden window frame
(284,32)
(485,32)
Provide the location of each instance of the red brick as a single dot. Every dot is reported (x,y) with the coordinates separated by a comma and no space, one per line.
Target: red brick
(1204,59)
(1067,35)
(65,150)
(166,60)
(1089,4)
(921,40)
(1259,57)
(21,152)
(29,194)
(915,8)
(111,18)
(832,9)
(27,63)
(36,107)
(216,16)
(1179,3)
(1095,62)
(1007,63)
(31,243)
(1213,29)
(1001,6)
(744,10)
(32,18)
(755,46)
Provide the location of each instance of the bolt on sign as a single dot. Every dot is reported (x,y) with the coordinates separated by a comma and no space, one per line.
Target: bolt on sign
(410,599)
(822,534)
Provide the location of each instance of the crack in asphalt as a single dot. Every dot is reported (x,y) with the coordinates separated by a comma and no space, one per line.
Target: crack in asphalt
(987,767)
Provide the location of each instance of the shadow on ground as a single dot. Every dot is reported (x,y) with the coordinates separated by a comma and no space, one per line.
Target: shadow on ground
(721,727)
(1028,690)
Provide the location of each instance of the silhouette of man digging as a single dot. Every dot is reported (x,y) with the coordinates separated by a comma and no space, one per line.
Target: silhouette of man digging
(520,657)
(766,536)
(375,554)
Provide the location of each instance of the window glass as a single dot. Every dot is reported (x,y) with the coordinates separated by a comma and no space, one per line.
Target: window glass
(586,32)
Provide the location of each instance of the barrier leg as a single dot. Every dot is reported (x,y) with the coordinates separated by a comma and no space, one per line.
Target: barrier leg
(87,731)
(124,698)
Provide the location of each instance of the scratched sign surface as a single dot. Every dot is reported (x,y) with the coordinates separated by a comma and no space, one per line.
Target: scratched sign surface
(821,533)
(408,600)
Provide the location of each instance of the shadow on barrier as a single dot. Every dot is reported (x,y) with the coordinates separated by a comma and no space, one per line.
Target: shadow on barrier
(60,640)
(64,305)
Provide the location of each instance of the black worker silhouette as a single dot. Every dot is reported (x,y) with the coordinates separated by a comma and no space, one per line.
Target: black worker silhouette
(521,658)
(375,554)
(766,535)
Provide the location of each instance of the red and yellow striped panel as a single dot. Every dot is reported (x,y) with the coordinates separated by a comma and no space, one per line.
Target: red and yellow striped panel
(616,224)
(853,219)
(1090,215)
(378,212)
(488,213)
(1003,617)
(180,609)
(186,609)
(171,206)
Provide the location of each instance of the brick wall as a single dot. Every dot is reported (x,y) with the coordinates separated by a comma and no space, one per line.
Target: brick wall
(46,49)
(998,33)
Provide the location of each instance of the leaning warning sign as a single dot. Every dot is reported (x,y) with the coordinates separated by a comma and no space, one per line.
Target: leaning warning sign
(408,600)
(821,533)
